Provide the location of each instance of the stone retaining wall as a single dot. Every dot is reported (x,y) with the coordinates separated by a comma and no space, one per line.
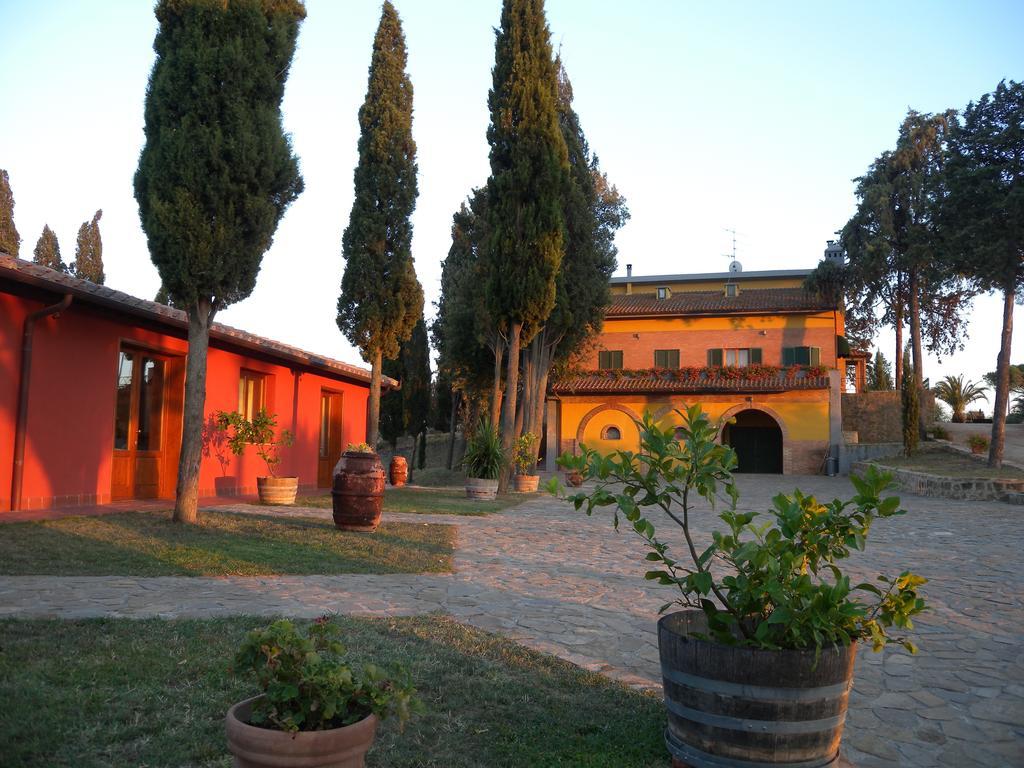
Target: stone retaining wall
(967,488)
(877,417)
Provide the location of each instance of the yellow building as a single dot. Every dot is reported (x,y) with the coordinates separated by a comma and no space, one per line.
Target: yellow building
(754,347)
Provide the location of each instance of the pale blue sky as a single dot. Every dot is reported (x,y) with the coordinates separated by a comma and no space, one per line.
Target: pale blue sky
(707,116)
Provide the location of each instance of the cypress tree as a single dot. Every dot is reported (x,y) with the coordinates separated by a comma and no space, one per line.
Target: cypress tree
(10,240)
(593,211)
(392,413)
(216,172)
(416,385)
(47,251)
(879,373)
(381,299)
(529,171)
(88,264)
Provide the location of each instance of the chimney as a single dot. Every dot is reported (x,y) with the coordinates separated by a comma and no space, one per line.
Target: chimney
(629,270)
(834,252)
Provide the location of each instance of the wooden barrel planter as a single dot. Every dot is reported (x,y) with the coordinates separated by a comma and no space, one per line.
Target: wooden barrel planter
(733,707)
(277,491)
(358,491)
(480,489)
(398,471)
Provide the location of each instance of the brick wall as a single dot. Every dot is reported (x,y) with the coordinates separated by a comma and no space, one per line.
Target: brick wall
(693,345)
(877,417)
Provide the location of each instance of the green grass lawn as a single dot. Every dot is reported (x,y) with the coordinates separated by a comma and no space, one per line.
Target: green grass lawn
(429,501)
(221,544)
(949,464)
(154,693)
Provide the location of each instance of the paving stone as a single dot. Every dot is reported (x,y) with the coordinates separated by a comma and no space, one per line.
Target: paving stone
(580,595)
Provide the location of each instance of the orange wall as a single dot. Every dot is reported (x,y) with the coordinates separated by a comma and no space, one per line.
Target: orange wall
(693,337)
(70,434)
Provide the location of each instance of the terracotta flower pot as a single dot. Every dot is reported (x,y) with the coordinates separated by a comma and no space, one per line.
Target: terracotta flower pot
(526,483)
(358,491)
(255,747)
(398,471)
(481,490)
(977,450)
(575,479)
(278,491)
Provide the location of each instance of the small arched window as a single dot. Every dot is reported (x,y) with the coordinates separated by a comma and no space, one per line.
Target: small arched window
(611,432)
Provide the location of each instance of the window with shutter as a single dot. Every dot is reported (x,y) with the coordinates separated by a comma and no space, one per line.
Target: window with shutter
(714,357)
(609,360)
(666,358)
(801,356)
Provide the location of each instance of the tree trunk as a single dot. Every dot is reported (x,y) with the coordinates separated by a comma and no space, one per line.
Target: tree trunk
(186,503)
(511,393)
(451,427)
(917,352)
(526,400)
(412,461)
(995,448)
(898,363)
(373,417)
(496,389)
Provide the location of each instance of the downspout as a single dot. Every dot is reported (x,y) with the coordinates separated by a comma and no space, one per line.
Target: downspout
(26,370)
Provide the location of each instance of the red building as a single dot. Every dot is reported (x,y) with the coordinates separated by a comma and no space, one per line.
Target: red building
(92,384)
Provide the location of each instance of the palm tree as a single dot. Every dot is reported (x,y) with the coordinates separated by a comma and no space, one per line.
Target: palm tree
(957,394)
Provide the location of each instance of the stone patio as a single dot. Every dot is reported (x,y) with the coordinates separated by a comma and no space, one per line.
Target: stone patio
(569,585)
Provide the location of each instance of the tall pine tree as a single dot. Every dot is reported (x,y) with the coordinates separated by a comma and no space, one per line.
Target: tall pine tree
(88,264)
(10,240)
(529,172)
(982,218)
(216,172)
(381,299)
(47,251)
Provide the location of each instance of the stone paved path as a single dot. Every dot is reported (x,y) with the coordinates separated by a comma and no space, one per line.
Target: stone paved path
(567,584)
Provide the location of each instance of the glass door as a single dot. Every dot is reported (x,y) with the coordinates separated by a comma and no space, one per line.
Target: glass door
(138,425)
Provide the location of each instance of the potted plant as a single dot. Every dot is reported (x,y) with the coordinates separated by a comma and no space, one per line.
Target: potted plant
(215,443)
(978,444)
(315,708)
(758,665)
(357,492)
(259,432)
(484,461)
(525,481)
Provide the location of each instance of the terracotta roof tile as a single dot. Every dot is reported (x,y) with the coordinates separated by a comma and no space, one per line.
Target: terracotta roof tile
(717,303)
(30,273)
(651,383)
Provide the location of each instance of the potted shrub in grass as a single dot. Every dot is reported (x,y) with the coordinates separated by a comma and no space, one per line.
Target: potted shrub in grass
(215,443)
(525,481)
(260,433)
(758,666)
(357,492)
(483,462)
(315,709)
(978,444)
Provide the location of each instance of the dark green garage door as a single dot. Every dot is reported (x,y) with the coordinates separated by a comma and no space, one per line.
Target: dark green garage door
(758,449)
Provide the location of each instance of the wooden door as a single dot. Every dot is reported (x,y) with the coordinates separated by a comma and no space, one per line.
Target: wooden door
(330,437)
(145,433)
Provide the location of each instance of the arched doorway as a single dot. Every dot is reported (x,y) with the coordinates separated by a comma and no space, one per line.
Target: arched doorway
(757,439)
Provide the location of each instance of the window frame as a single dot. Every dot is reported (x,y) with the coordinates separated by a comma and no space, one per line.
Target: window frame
(792,355)
(755,356)
(608,363)
(606,432)
(259,381)
(663,292)
(671,354)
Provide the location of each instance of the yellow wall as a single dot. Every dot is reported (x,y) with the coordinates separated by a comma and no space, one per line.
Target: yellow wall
(804,415)
(725,323)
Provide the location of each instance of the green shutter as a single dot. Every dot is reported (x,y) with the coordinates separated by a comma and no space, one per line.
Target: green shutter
(673,358)
(714,357)
(814,355)
(755,355)
(617,360)
(788,355)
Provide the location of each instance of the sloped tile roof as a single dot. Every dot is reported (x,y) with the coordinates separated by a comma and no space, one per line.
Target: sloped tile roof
(653,383)
(39,276)
(749,300)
